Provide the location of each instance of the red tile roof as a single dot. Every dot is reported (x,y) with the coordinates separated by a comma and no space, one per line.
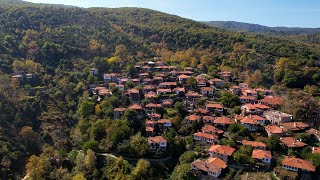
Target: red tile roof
(260,154)
(214,105)
(299,163)
(274,129)
(205,135)
(221,149)
(211,129)
(224,120)
(156,139)
(212,164)
(292,142)
(253,143)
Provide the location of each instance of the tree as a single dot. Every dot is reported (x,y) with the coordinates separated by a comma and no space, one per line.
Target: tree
(229,100)
(183,172)
(86,108)
(90,163)
(37,167)
(138,145)
(243,155)
(256,78)
(79,176)
(273,143)
(141,171)
(187,157)
(134,122)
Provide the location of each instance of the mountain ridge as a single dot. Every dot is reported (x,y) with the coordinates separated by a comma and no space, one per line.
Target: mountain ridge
(257,28)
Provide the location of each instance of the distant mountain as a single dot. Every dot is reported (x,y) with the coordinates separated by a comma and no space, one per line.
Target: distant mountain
(247,27)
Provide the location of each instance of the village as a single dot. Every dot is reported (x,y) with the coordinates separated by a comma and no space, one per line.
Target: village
(158,87)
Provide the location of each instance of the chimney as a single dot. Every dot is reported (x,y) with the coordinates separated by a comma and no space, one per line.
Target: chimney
(295,124)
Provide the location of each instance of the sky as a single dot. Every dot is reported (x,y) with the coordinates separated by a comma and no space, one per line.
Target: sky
(289,13)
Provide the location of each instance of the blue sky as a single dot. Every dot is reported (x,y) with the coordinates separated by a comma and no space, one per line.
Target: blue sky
(290,13)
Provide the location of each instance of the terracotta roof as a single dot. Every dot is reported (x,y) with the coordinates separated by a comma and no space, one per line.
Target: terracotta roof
(201,111)
(192,94)
(258,118)
(156,139)
(295,126)
(133,91)
(223,120)
(276,100)
(183,76)
(214,105)
(221,149)
(253,143)
(206,89)
(248,120)
(149,122)
(150,95)
(209,118)
(260,154)
(168,84)
(193,117)
(292,142)
(119,109)
(135,107)
(274,129)
(248,97)
(212,164)
(164,90)
(299,163)
(166,102)
(164,121)
(211,129)
(205,135)
(152,105)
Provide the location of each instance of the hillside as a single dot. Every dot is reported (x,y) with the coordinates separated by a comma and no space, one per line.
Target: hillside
(240,26)
(55,115)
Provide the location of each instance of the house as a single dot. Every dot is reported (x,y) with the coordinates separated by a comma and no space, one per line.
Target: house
(164,124)
(249,92)
(143,75)
(250,123)
(112,77)
(151,107)
(167,104)
(204,139)
(183,78)
(291,142)
(274,130)
(211,130)
(121,87)
(221,151)
(297,164)
(94,71)
(118,112)
(193,118)
(223,122)
(235,90)
(157,143)
(155,116)
(272,101)
(134,94)
(207,91)
(295,126)
(247,99)
(163,91)
(202,112)
(254,109)
(262,155)
(277,117)
(179,91)
(255,144)
(225,75)
(208,119)
(211,167)
(138,108)
(216,82)
(244,85)
(214,107)
(259,119)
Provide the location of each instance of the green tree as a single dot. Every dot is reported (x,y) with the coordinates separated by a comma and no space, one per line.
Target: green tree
(37,167)
(139,145)
(86,108)
(142,169)
(229,100)
(187,157)
(183,172)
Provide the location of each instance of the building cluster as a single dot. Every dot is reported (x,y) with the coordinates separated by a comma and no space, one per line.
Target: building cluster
(164,85)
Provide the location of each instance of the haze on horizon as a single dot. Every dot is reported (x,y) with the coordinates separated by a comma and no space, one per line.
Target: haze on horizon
(288,13)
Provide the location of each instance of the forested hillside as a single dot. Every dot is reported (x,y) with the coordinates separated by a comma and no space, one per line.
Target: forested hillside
(46,117)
